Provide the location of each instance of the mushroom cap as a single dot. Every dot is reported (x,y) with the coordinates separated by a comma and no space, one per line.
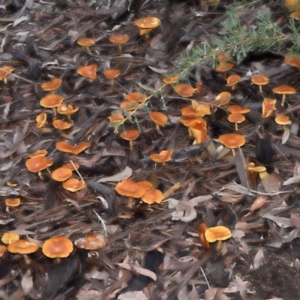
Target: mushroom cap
(171,79)
(292,60)
(76,149)
(284,90)
(158,118)
(203,240)
(223,57)
(199,131)
(71,167)
(73,185)
(186,121)
(236,109)
(130,135)
(233,79)
(130,188)
(51,85)
(148,22)
(67,109)
(224,66)
(61,174)
(41,152)
(145,184)
(22,247)
(295,15)
(62,125)
(88,71)
(136,97)
(268,106)
(252,168)
(116,118)
(184,90)
(260,79)
(152,196)
(57,247)
(9,237)
(5,71)
(51,101)
(38,163)
(162,157)
(128,105)
(41,120)
(223,98)
(283,120)
(232,140)
(86,42)
(236,118)
(111,73)
(218,233)
(119,39)
(201,108)
(91,241)
(12,202)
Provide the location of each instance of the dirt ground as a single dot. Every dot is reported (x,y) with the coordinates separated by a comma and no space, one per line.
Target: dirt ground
(152,251)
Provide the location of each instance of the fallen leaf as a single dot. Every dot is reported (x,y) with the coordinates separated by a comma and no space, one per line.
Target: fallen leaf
(258,259)
(280,221)
(125,174)
(258,203)
(27,282)
(295,220)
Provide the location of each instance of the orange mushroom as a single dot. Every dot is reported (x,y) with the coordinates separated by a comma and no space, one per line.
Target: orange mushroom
(76,149)
(61,125)
(41,120)
(91,241)
(159,119)
(116,118)
(223,98)
(52,85)
(119,40)
(224,67)
(23,247)
(87,43)
(284,90)
(88,72)
(292,60)
(57,247)
(130,135)
(171,79)
(61,174)
(184,90)
(67,110)
(236,119)
(217,233)
(199,131)
(5,71)
(41,152)
(51,101)
(152,196)
(268,106)
(37,164)
(128,105)
(12,202)
(9,237)
(260,80)
(162,157)
(236,109)
(232,141)
(147,24)
(111,74)
(232,80)
(74,185)
(136,97)
(203,240)
(187,121)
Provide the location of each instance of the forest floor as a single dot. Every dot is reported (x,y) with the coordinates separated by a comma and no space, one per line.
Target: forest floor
(153,251)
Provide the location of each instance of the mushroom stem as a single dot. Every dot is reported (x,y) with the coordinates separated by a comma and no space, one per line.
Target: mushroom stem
(190,132)
(120,48)
(260,88)
(236,126)
(233,152)
(54,112)
(88,49)
(131,145)
(112,83)
(130,202)
(26,258)
(218,245)
(158,129)
(283,100)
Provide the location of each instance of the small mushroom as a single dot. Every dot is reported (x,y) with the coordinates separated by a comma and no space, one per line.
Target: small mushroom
(292,60)
(52,85)
(199,131)
(232,141)
(268,106)
(61,125)
(203,240)
(236,119)
(152,196)
(184,90)
(37,164)
(111,74)
(57,247)
(12,202)
(23,247)
(224,67)
(284,90)
(9,237)
(87,43)
(130,135)
(162,157)
(171,79)
(5,71)
(61,174)
(76,149)
(119,40)
(73,185)
(260,80)
(283,120)
(232,80)
(41,120)
(51,101)
(88,72)
(236,109)
(67,110)
(41,152)
(136,97)
(147,24)
(159,119)
(116,118)
(91,241)
(218,233)
(187,121)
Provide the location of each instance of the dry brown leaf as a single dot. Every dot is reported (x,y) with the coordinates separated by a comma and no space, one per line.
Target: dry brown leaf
(271,182)
(139,270)
(258,259)
(295,220)
(133,296)
(258,203)
(27,282)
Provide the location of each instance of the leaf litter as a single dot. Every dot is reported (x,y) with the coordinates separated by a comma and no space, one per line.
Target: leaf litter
(153,251)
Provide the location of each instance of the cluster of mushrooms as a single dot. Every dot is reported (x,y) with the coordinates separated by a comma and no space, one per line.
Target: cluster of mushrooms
(56,247)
